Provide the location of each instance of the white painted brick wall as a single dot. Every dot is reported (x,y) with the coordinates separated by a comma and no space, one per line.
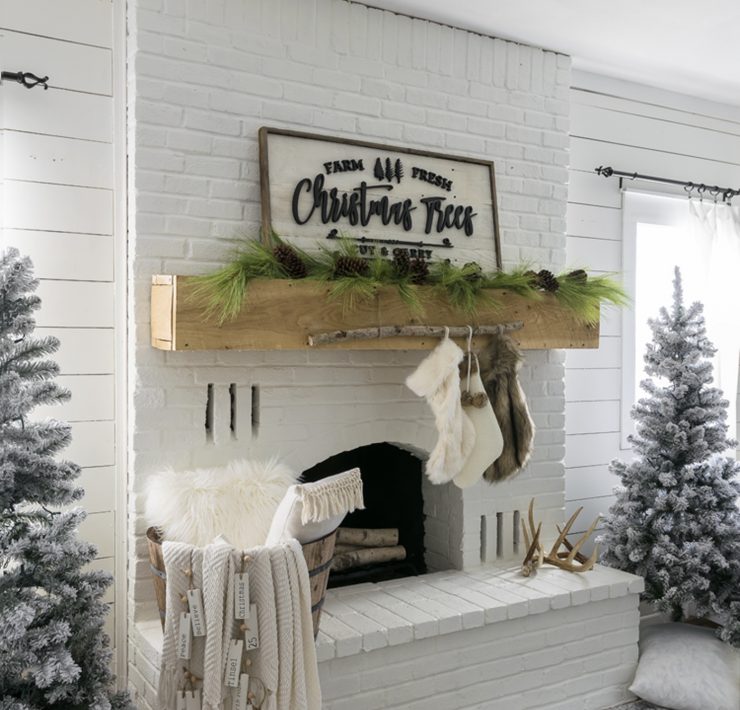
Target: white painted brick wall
(204,76)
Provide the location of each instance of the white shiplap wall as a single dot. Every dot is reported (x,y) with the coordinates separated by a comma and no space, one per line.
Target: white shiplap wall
(58,177)
(632,128)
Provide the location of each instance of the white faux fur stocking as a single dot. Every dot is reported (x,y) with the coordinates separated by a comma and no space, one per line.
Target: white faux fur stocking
(438,380)
(489,442)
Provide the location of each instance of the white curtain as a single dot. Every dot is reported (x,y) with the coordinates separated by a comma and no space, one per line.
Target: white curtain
(716,229)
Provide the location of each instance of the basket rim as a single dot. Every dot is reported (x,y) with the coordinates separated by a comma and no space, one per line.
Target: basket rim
(155,535)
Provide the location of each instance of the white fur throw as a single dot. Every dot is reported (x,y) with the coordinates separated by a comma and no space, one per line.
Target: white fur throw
(237,501)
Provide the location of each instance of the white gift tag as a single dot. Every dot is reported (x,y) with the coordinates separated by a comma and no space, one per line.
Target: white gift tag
(241,699)
(197,617)
(192,700)
(184,637)
(252,632)
(241,596)
(233,663)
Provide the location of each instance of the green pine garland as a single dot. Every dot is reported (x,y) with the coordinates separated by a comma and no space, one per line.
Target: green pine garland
(466,288)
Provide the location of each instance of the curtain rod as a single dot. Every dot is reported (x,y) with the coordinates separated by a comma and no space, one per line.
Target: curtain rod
(727,192)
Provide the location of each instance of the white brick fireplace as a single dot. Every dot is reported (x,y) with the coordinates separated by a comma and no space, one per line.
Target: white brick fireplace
(203,77)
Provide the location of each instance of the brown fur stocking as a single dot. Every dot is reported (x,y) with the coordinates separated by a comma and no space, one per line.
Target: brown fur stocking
(500,361)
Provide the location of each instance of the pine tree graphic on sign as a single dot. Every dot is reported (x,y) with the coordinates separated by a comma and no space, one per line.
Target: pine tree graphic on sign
(388,170)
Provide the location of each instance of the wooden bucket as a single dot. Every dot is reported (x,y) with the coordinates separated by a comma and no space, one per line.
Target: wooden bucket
(156,565)
(318,556)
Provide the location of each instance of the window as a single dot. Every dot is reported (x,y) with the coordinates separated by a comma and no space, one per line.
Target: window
(656,237)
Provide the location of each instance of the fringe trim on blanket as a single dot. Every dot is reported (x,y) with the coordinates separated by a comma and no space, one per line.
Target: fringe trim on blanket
(333,496)
(169,681)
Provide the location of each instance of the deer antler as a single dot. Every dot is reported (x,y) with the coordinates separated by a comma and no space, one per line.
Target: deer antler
(535,553)
(571,560)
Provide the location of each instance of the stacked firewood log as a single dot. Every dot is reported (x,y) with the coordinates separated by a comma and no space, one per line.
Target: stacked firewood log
(359,547)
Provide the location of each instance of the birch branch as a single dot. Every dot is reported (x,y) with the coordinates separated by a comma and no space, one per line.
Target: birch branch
(367,556)
(368,537)
(414,331)
(339,549)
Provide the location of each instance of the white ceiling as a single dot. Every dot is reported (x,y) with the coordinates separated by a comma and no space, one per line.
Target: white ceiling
(688,46)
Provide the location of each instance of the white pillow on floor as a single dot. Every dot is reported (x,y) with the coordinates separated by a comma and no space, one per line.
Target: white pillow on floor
(685,667)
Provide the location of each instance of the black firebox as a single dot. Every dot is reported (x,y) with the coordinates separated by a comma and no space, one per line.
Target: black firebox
(391,482)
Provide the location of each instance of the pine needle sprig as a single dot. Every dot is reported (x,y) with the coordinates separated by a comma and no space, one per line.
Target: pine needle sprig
(411,297)
(321,266)
(584,298)
(516,281)
(354,280)
(225,289)
(353,291)
(382,271)
(461,286)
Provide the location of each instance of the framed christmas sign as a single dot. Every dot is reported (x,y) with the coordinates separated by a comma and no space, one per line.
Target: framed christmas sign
(386,198)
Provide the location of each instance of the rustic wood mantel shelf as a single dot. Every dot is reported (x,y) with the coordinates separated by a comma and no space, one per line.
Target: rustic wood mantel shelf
(281,314)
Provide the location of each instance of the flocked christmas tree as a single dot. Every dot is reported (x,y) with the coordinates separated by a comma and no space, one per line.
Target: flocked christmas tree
(675,520)
(53,650)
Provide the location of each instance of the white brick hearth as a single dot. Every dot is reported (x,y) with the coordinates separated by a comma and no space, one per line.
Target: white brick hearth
(488,638)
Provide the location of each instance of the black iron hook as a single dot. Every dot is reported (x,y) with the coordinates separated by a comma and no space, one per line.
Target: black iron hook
(26,78)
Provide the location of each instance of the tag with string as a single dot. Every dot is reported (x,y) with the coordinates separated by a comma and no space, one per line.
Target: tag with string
(197,615)
(241,596)
(233,663)
(241,699)
(184,637)
(251,629)
(241,591)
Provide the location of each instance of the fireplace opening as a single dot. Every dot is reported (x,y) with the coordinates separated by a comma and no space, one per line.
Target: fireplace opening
(391,484)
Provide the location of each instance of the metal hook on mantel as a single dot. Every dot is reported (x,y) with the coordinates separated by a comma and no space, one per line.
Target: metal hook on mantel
(25,78)
(413,331)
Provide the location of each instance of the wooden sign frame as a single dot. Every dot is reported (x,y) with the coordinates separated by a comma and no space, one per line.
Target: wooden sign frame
(265,132)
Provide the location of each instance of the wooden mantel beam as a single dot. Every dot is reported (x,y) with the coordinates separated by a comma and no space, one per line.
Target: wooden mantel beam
(281,314)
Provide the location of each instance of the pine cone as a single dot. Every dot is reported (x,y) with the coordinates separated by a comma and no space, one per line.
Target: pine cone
(547,281)
(401,263)
(419,270)
(475,272)
(350,266)
(288,258)
(578,275)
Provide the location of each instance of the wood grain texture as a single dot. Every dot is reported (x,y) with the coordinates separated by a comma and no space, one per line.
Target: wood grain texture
(368,537)
(163,325)
(318,555)
(367,556)
(280,315)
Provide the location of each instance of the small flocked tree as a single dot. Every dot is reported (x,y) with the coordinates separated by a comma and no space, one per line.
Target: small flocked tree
(53,650)
(675,520)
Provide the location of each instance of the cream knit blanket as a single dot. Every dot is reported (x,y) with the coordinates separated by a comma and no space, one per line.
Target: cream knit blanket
(284,666)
